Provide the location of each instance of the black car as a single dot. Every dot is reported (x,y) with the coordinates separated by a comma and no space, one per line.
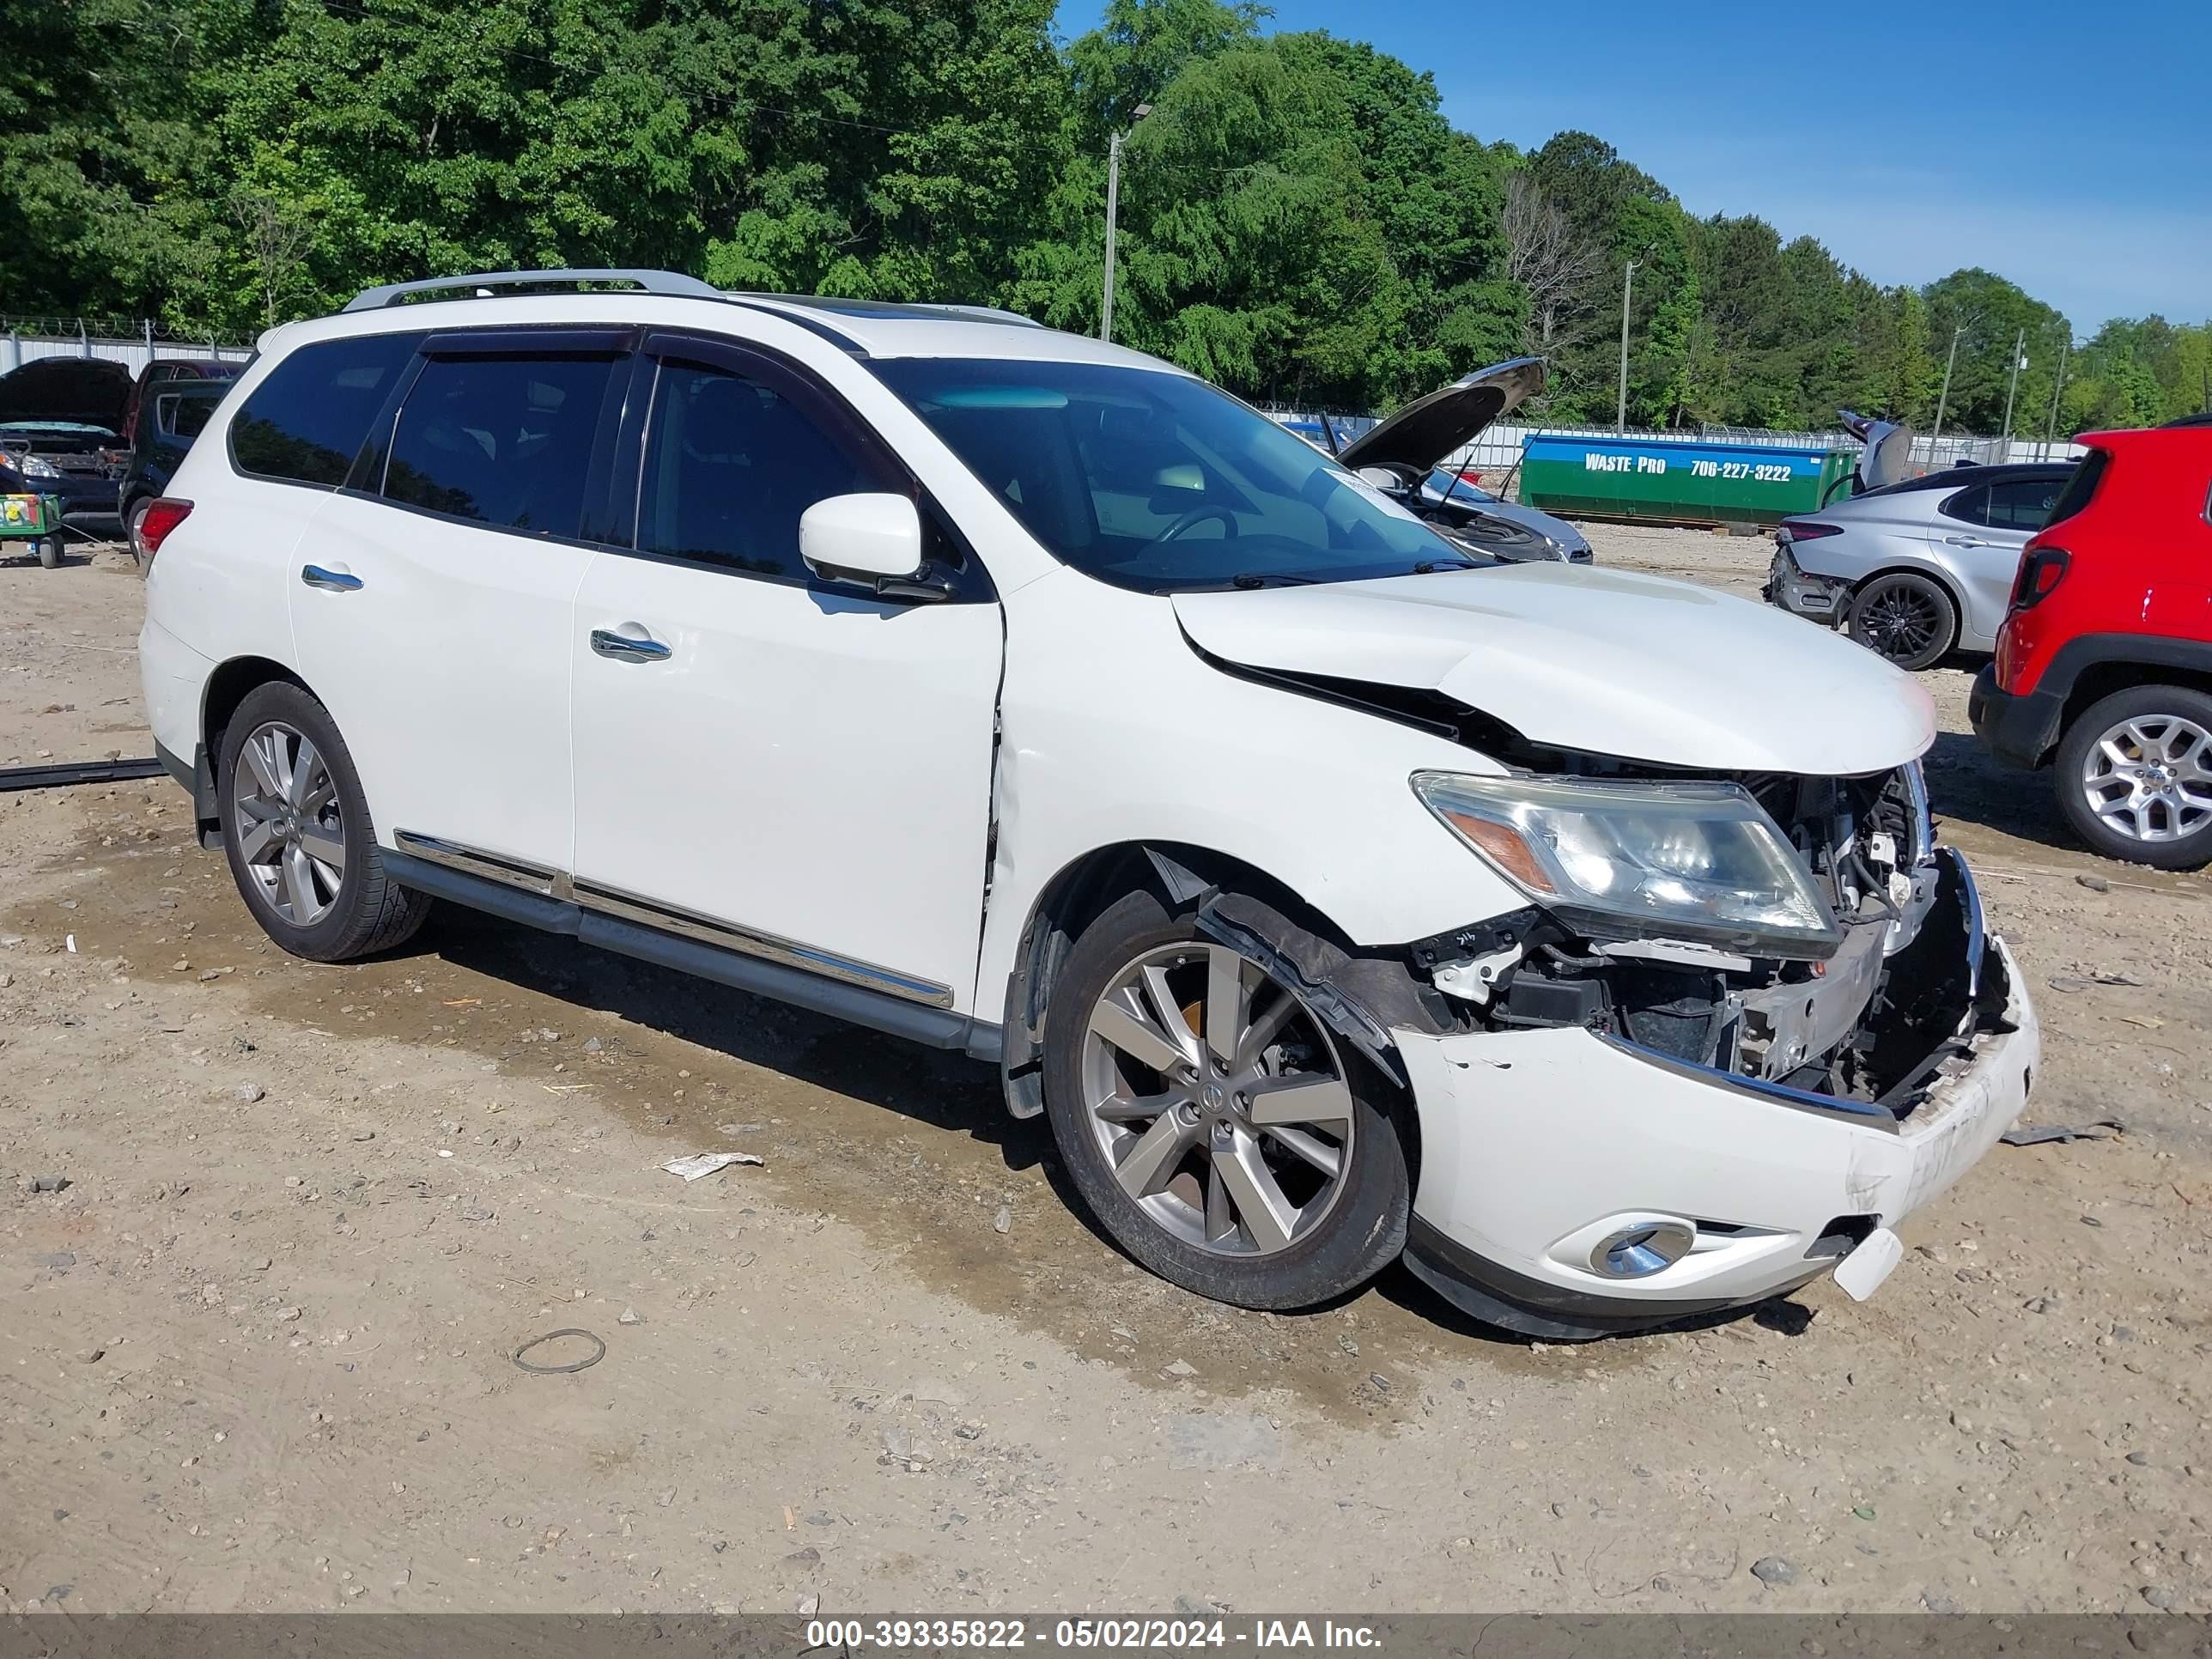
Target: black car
(174,416)
(60,422)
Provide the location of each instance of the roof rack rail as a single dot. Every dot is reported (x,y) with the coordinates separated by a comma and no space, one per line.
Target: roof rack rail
(674,283)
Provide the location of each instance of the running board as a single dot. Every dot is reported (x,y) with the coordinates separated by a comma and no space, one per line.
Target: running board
(934,1028)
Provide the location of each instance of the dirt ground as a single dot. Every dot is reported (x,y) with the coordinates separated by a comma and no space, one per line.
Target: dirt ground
(257,1354)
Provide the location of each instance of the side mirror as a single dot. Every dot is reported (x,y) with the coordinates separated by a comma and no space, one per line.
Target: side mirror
(1382,479)
(872,539)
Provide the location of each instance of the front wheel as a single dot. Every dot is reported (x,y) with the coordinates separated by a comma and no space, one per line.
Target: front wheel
(2135,777)
(1216,1127)
(50,552)
(296,830)
(1907,617)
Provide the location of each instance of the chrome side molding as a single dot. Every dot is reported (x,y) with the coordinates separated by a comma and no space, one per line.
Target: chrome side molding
(560,885)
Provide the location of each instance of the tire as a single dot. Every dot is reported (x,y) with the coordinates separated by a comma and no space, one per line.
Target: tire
(279,841)
(50,552)
(134,522)
(1298,1239)
(1908,618)
(2134,774)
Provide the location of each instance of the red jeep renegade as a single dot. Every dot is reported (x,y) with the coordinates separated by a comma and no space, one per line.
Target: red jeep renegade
(2103,665)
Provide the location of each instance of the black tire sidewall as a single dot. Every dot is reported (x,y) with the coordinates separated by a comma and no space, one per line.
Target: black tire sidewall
(1363,1234)
(332,938)
(133,517)
(2192,851)
(1947,637)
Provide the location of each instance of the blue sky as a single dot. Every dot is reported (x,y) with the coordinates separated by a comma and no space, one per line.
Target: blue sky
(2068,147)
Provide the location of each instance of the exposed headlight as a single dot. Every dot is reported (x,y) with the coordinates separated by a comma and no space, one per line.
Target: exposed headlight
(34,466)
(1680,860)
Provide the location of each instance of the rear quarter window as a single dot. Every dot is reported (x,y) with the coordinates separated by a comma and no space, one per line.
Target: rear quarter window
(2080,489)
(308,418)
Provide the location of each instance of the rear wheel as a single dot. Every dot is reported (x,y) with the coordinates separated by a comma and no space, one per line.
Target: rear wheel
(1215,1126)
(1907,617)
(2135,777)
(296,830)
(50,552)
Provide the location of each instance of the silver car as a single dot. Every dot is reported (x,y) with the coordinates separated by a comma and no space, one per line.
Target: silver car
(1916,570)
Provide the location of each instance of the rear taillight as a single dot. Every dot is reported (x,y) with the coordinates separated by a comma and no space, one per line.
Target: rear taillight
(161,517)
(1810,530)
(2040,571)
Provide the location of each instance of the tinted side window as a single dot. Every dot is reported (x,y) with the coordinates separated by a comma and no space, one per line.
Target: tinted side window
(2025,504)
(730,466)
(305,422)
(1968,505)
(504,440)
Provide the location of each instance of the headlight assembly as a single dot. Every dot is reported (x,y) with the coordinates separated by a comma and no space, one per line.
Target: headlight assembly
(1696,861)
(33,466)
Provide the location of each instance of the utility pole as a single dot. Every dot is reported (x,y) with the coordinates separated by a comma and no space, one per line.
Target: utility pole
(2018,362)
(1113,211)
(1627,288)
(2051,432)
(1943,397)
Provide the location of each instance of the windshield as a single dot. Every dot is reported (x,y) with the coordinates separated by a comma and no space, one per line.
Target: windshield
(1153,480)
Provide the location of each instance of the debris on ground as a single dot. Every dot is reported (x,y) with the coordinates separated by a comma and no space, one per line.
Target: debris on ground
(2102,1129)
(1212,1443)
(707,1164)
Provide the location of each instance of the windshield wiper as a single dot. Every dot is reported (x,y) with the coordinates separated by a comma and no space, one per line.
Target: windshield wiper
(1429,567)
(1251,579)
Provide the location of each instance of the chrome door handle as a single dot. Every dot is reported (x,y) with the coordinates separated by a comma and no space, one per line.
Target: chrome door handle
(1968,541)
(330,581)
(622,648)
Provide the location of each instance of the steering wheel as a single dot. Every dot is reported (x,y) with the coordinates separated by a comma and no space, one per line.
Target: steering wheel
(1199,515)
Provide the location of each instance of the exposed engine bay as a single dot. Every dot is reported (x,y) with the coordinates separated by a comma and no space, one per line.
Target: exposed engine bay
(1873,1022)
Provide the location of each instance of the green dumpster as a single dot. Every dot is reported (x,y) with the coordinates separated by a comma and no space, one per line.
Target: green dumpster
(1678,482)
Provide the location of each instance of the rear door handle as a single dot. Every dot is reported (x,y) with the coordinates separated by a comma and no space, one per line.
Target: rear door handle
(330,581)
(622,648)
(1968,541)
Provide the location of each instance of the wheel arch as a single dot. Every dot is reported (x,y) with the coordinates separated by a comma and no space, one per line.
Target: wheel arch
(1360,1006)
(1081,890)
(229,685)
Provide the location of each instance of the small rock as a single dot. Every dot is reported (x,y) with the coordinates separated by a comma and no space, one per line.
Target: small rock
(92,1355)
(1003,1219)
(2140,1459)
(627,1317)
(1191,1608)
(1772,1570)
(2160,1597)
(592,1045)
(1182,1368)
(1940,1602)
(250,1093)
(1378,1382)
(57,1262)
(666,1497)
(48,1183)
(2094,884)
(2091,1221)
(288,1316)
(807,1605)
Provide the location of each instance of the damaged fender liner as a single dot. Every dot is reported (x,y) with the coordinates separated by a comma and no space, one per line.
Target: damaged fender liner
(1497,1296)
(1358,997)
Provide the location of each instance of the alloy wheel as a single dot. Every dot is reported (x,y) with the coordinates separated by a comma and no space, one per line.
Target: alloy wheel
(2149,778)
(291,836)
(1902,622)
(1217,1098)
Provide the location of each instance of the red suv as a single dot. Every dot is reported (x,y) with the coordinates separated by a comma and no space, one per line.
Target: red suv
(2103,665)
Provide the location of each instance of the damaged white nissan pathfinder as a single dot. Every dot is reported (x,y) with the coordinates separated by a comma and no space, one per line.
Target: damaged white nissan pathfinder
(1336,892)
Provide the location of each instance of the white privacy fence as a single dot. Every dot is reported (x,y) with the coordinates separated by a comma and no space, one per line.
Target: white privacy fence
(1496,452)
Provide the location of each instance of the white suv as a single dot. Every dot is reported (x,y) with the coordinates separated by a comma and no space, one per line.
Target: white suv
(1336,893)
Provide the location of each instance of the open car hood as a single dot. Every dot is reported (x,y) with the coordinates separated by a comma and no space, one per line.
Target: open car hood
(1429,428)
(1888,448)
(1638,667)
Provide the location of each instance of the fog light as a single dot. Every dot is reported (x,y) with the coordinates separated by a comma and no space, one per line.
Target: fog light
(1640,1251)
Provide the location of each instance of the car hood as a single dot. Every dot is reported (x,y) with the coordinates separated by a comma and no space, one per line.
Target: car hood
(1429,428)
(1639,667)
